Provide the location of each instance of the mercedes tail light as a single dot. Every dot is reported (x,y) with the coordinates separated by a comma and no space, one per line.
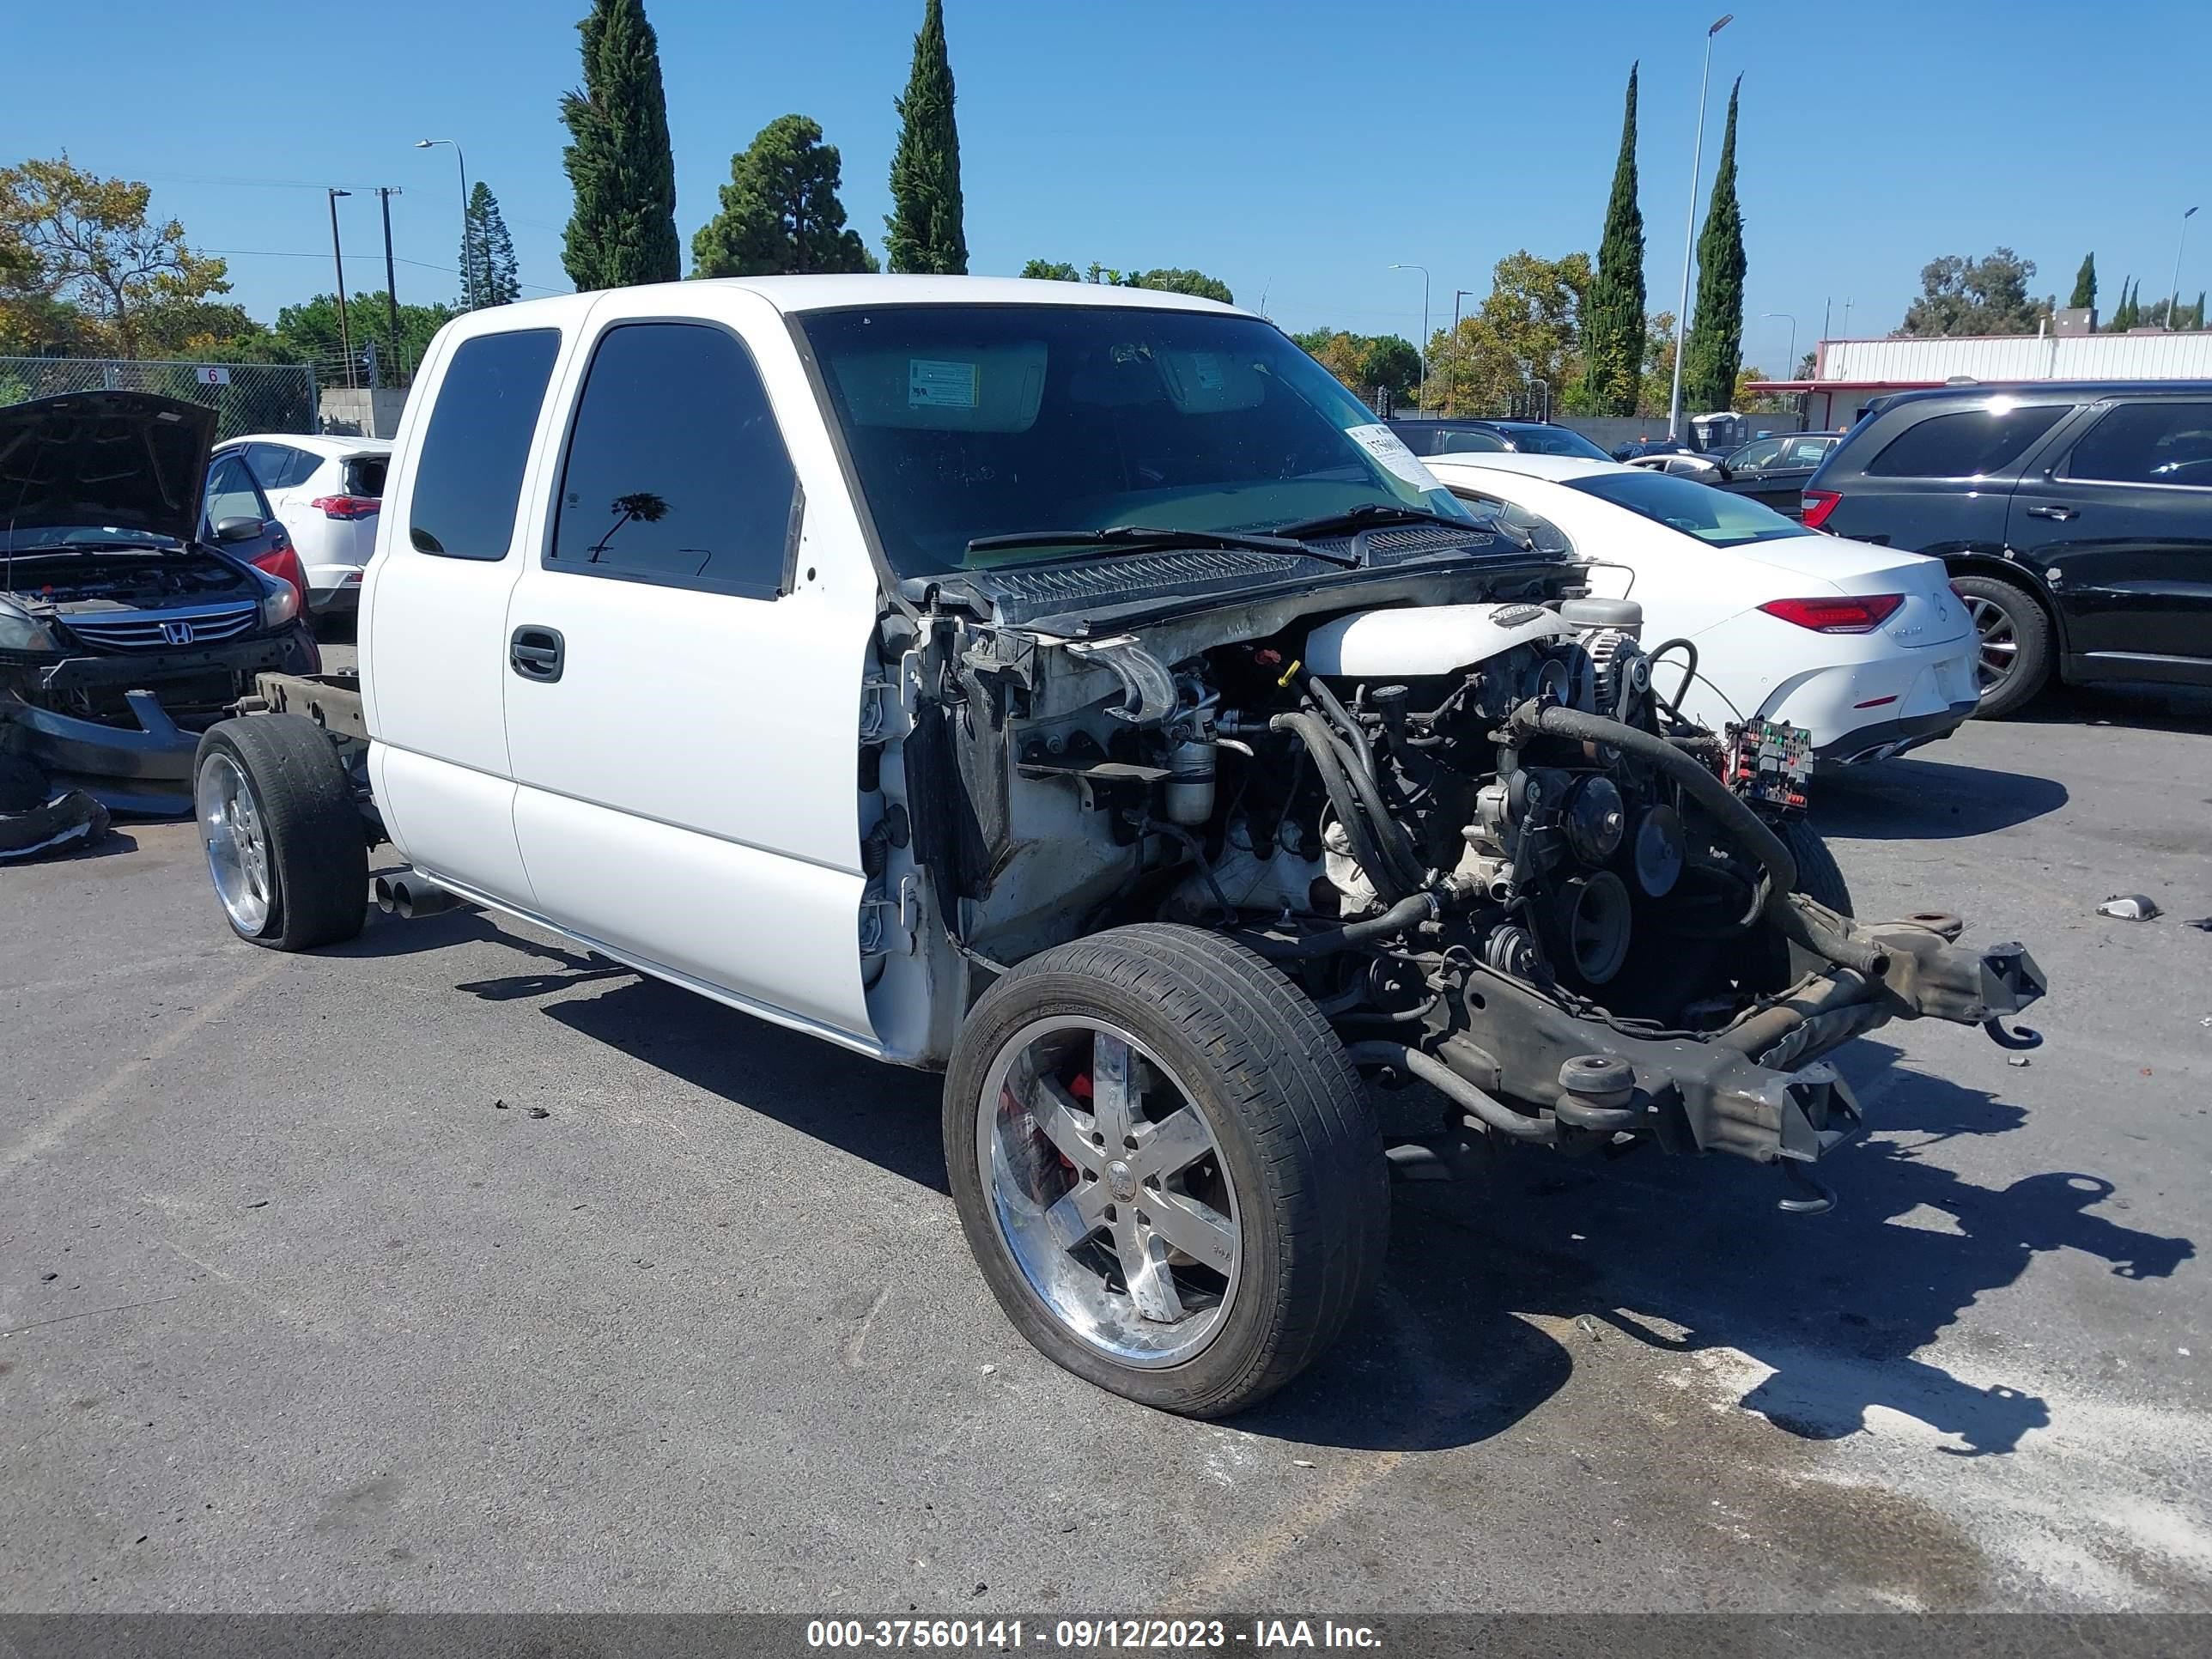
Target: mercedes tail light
(1855,613)
(1819,504)
(347,507)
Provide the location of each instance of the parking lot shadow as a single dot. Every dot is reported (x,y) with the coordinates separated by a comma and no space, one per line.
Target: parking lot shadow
(887,1114)
(1689,1256)
(1915,800)
(1492,1285)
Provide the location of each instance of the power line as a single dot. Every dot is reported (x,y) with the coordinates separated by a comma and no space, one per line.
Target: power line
(420,265)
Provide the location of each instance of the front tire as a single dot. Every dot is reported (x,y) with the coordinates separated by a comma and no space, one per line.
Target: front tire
(2012,658)
(285,845)
(1819,876)
(1167,1169)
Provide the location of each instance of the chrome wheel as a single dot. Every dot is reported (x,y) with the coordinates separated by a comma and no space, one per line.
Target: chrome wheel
(1110,1190)
(1999,637)
(237,842)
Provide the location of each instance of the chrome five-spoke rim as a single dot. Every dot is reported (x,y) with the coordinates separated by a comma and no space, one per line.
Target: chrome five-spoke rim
(2000,640)
(1109,1189)
(237,846)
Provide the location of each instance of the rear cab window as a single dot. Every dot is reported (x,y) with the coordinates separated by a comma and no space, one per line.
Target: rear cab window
(1967,443)
(468,475)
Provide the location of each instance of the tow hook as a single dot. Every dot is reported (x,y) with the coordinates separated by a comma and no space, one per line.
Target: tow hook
(1808,1197)
(2021,1036)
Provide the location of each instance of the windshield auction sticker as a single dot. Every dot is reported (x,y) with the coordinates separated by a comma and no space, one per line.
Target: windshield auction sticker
(1386,447)
(934,384)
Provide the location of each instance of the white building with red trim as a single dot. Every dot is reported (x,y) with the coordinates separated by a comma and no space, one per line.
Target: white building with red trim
(1849,375)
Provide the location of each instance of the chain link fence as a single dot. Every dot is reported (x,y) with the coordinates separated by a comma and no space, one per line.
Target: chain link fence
(245,397)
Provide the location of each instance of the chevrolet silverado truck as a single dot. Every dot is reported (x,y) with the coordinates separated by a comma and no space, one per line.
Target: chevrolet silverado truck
(1075,691)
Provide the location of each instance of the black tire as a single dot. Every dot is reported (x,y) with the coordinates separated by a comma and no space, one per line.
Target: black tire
(1818,877)
(2029,629)
(318,848)
(1294,1127)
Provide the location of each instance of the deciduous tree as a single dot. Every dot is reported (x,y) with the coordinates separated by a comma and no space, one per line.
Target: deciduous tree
(1365,361)
(623,229)
(924,231)
(1527,331)
(1987,296)
(1051,271)
(779,210)
(1612,323)
(74,238)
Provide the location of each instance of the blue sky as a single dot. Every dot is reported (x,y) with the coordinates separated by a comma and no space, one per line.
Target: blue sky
(1255,141)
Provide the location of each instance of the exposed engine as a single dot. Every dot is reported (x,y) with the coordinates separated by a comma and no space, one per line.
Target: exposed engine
(132,580)
(1479,837)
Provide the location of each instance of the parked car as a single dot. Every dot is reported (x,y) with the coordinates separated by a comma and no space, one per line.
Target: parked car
(124,630)
(236,513)
(1866,649)
(1428,436)
(898,660)
(326,492)
(2075,520)
(1644,448)
(1771,470)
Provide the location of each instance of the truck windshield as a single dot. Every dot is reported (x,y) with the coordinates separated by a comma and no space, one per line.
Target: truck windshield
(970,422)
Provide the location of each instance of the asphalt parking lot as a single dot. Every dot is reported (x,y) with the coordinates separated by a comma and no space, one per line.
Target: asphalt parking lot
(449,1270)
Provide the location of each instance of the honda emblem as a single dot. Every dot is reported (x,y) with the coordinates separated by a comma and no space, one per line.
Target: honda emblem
(177,633)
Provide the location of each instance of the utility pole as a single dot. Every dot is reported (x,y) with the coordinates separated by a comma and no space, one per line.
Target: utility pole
(338,258)
(1423,395)
(384,195)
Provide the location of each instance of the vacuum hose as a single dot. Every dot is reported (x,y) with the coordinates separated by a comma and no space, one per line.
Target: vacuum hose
(1378,844)
(1737,820)
(1404,914)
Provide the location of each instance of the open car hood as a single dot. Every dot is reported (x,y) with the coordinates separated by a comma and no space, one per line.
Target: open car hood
(127,460)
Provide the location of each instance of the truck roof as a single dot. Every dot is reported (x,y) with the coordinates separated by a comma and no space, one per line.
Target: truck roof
(799,293)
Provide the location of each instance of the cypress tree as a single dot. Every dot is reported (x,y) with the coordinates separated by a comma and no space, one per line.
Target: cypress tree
(1715,346)
(1612,321)
(2124,313)
(2085,282)
(925,232)
(619,164)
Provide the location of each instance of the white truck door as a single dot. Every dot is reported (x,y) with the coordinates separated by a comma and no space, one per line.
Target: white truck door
(433,608)
(688,642)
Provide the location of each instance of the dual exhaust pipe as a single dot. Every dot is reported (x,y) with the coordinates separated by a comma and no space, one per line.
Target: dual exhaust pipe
(409,894)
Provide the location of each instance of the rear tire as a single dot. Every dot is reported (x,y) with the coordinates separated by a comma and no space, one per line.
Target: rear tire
(2014,657)
(1072,1160)
(286,847)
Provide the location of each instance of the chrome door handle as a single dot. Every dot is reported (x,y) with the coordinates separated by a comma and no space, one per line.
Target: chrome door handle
(2062,514)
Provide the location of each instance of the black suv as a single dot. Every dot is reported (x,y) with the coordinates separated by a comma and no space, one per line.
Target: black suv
(2076,520)
(1426,436)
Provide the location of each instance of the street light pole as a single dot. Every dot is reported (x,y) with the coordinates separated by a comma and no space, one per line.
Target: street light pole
(338,258)
(468,251)
(2172,304)
(1458,294)
(1792,366)
(1690,236)
(1422,396)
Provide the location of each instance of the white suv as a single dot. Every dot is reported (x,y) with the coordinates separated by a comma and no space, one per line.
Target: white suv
(327,493)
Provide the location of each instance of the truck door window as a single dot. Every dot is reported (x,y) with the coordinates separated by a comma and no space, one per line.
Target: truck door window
(677,473)
(468,478)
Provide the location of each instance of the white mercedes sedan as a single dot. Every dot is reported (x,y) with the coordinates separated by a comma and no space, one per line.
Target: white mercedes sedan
(1865,646)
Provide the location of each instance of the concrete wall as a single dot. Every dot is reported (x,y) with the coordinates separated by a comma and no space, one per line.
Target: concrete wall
(350,413)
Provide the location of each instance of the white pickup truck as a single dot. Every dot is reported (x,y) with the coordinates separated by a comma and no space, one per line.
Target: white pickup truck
(1075,690)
